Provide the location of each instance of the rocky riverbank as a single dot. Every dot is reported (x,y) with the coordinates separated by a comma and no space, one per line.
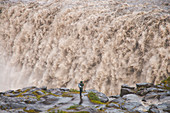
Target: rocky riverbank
(144,98)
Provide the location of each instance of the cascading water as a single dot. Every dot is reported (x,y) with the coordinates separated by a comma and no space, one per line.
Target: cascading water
(105,43)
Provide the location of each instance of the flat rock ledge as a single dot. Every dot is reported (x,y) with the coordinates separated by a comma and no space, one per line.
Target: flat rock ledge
(144,98)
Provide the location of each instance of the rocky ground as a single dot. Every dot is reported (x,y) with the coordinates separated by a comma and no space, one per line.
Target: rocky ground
(144,98)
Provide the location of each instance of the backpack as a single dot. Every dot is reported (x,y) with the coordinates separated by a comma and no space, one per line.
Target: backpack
(79,85)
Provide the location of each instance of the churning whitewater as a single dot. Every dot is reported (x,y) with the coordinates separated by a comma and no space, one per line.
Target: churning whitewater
(106,43)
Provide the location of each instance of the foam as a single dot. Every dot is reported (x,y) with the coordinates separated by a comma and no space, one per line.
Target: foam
(104,43)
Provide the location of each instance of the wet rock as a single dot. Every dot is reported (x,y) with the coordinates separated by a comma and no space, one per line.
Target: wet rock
(144,85)
(151,95)
(2,93)
(28,94)
(118,100)
(4,106)
(17,99)
(166,99)
(41,100)
(9,91)
(39,92)
(27,88)
(130,106)
(132,98)
(101,96)
(113,105)
(142,92)
(163,107)
(167,110)
(126,86)
(31,101)
(140,109)
(155,90)
(160,86)
(55,91)
(153,109)
(50,99)
(33,90)
(92,90)
(114,96)
(12,95)
(117,104)
(43,88)
(125,91)
(168,93)
(19,111)
(17,105)
(113,110)
(33,109)
(64,89)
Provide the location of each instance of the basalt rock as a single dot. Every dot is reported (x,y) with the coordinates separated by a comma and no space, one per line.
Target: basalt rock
(126,86)
(102,97)
(125,91)
(146,98)
(144,85)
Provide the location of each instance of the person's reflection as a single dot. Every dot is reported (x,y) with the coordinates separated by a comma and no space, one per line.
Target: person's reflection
(81,101)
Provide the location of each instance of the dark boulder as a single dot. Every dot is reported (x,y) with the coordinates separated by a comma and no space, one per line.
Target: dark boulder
(114,96)
(142,92)
(64,89)
(44,88)
(9,91)
(125,91)
(2,93)
(144,85)
(126,86)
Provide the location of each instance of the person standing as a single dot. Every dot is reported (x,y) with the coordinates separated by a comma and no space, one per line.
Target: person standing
(80,85)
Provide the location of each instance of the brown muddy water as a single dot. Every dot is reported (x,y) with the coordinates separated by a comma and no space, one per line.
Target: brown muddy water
(106,43)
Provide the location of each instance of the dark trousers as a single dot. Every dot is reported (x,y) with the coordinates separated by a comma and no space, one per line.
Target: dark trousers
(81,90)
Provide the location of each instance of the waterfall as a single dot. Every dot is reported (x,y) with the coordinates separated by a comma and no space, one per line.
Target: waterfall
(105,43)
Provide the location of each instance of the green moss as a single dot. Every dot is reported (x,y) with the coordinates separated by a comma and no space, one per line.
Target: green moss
(67,94)
(114,103)
(166,83)
(51,109)
(102,110)
(97,102)
(94,98)
(21,94)
(53,94)
(82,112)
(73,90)
(75,106)
(60,111)
(30,111)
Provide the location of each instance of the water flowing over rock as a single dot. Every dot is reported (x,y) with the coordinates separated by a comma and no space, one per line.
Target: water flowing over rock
(106,43)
